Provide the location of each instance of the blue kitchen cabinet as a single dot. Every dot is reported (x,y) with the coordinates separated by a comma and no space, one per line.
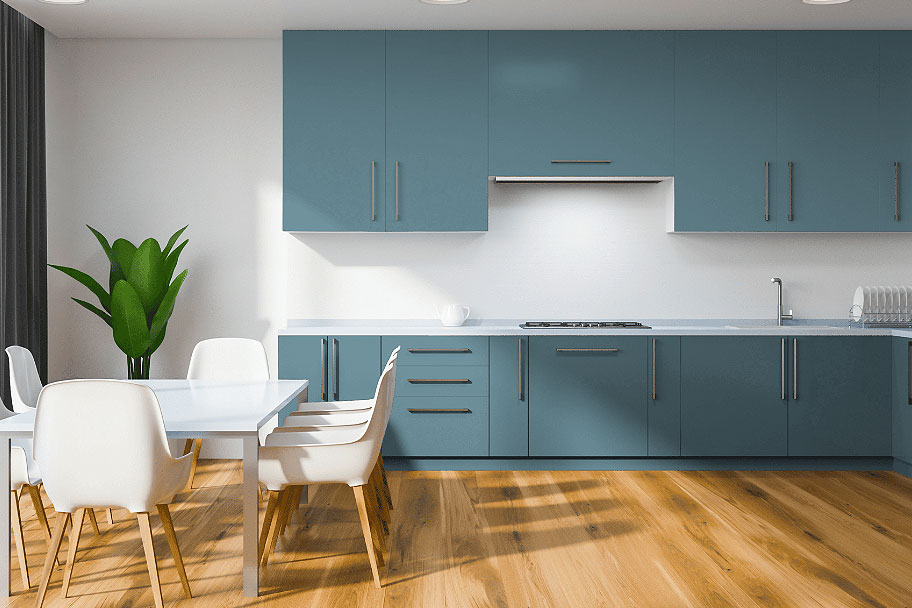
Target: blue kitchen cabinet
(436,130)
(509,401)
(590,96)
(902,401)
(827,128)
(334,135)
(664,396)
(725,132)
(340,368)
(452,427)
(893,211)
(587,396)
(839,396)
(733,396)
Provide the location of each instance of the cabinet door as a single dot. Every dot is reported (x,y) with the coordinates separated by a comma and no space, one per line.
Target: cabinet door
(664,392)
(733,396)
(306,358)
(333,137)
(587,396)
(894,205)
(582,96)
(838,396)
(827,129)
(437,131)
(509,400)
(902,399)
(725,131)
(354,368)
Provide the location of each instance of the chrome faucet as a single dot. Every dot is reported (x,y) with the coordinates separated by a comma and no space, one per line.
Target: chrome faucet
(780,317)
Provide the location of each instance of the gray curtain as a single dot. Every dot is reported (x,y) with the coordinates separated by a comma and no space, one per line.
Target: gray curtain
(23,192)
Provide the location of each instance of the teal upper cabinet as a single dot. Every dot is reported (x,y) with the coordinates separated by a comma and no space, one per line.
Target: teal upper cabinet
(333,131)
(725,131)
(733,396)
(894,207)
(828,131)
(587,396)
(436,131)
(839,396)
(582,96)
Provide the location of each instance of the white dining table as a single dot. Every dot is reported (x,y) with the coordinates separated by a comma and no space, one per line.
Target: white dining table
(190,409)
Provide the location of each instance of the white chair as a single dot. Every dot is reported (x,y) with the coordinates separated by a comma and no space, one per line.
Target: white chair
(292,458)
(79,425)
(25,383)
(231,359)
(333,407)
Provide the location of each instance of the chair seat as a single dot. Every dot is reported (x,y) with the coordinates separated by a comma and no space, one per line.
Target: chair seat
(328,419)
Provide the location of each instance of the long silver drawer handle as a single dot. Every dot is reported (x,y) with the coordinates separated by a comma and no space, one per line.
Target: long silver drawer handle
(439,350)
(588,350)
(582,162)
(766,213)
(896,191)
(790,192)
(323,369)
(335,371)
(439,381)
(653,369)
(783,370)
(373,198)
(397,190)
(795,370)
(439,410)
(519,383)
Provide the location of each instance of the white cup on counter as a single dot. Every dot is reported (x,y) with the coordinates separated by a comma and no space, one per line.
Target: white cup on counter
(452,315)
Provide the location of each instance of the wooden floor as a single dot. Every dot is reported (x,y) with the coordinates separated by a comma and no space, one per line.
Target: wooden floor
(575,539)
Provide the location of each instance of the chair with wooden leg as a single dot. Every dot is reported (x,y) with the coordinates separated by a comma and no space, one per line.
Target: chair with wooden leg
(295,457)
(231,359)
(79,425)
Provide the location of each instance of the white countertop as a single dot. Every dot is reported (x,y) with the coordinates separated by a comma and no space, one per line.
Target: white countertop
(510,327)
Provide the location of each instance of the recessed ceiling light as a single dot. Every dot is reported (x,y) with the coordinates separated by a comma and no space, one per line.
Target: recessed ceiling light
(63,1)
(824,1)
(443,1)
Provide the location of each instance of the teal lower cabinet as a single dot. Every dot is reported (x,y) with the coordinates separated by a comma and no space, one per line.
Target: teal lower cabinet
(438,350)
(437,426)
(902,401)
(733,396)
(509,396)
(340,368)
(587,396)
(664,396)
(839,396)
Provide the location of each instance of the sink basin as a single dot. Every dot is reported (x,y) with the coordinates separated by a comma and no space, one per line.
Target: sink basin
(772,326)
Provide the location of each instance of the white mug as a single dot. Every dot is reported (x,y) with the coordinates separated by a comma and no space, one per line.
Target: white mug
(452,315)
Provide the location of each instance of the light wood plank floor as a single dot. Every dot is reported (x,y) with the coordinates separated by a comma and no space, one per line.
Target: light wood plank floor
(574,539)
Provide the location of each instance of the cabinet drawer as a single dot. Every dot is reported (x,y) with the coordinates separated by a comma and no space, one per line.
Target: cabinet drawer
(437,426)
(438,350)
(442,381)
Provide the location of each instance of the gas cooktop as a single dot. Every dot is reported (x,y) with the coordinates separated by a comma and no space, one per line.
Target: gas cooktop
(583,325)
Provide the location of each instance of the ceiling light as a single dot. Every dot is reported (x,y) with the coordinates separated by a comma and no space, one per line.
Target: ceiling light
(63,1)
(824,1)
(444,1)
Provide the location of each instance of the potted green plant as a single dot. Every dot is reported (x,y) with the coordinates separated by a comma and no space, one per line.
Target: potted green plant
(141,293)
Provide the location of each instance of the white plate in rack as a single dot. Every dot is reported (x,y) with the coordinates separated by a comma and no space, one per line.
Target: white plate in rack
(858,304)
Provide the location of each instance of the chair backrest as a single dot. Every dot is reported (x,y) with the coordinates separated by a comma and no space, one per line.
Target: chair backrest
(25,383)
(237,359)
(100,443)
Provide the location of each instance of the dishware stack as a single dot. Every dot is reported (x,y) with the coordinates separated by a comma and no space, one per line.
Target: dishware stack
(880,306)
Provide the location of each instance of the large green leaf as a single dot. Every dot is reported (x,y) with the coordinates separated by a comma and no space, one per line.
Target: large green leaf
(131,334)
(103,297)
(173,240)
(163,314)
(103,242)
(91,307)
(123,251)
(171,260)
(147,275)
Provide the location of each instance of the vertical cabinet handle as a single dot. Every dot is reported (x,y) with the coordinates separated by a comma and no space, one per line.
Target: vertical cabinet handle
(397,190)
(335,371)
(766,212)
(653,369)
(790,192)
(519,384)
(373,188)
(795,369)
(323,369)
(783,370)
(896,191)
(909,370)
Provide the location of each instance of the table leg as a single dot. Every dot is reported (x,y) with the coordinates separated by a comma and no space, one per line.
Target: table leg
(5,518)
(249,492)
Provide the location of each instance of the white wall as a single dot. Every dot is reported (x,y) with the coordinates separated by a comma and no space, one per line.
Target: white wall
(145,136)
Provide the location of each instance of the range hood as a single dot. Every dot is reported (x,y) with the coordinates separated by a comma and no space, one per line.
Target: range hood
(567,179)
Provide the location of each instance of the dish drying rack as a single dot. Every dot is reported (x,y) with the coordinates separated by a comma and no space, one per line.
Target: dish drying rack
(883,307)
